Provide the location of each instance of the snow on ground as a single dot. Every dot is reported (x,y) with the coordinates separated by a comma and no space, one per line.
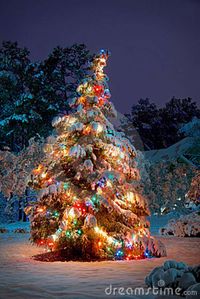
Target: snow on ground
(22,277)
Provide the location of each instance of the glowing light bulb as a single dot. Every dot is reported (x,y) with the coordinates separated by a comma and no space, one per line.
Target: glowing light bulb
(54,237)
(96,229)
(66,186)
(134,237)
(68,233)
(79,232)
(130,196)
(40,210)
(43,175)
(99,190)
(109,184)
(37,170)
(99,128)
(71,213)
(56,214)
(110,240)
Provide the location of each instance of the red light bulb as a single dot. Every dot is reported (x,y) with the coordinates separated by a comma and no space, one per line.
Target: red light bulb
(98,90)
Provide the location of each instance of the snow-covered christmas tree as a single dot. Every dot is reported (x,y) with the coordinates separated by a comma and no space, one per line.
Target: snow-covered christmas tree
(88,204)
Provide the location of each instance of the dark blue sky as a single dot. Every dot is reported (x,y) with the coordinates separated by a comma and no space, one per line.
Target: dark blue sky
(155,44)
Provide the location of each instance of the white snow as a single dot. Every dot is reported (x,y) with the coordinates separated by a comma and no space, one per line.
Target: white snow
(22,277)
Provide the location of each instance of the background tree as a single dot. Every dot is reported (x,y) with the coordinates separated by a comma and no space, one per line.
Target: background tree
(167,185)
(192,132)
(174,115)
(31,94)
(159,127)
(144,117)
(13,64)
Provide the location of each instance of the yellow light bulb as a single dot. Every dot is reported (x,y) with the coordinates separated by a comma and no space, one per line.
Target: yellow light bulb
(99,190)
(109,184)
(99,129)
(130,196)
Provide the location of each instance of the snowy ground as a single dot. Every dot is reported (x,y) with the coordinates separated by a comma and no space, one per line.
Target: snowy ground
(22,277)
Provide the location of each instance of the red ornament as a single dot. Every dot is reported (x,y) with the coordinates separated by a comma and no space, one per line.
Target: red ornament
(98,90)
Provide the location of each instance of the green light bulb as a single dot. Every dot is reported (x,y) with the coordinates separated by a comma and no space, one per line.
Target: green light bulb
(56,214)
(68,233)
(79,231)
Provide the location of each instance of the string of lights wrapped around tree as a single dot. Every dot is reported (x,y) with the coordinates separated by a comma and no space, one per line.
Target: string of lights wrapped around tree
(88,200)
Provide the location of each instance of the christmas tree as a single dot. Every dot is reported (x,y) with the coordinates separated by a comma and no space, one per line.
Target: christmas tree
(88,203)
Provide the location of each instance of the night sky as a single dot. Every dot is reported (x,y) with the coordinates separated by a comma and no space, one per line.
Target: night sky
(155,44)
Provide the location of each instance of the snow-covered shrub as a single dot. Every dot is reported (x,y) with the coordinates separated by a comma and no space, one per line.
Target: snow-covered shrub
(175,274)
(3,230)
(15,169)
(20,231)
(168,183)
(185,226)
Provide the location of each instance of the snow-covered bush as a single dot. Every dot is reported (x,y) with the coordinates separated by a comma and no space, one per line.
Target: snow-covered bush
(20,231)
(185,226)
(14,172)
(168,183)
(175,275)
(3,230)
(15,169)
